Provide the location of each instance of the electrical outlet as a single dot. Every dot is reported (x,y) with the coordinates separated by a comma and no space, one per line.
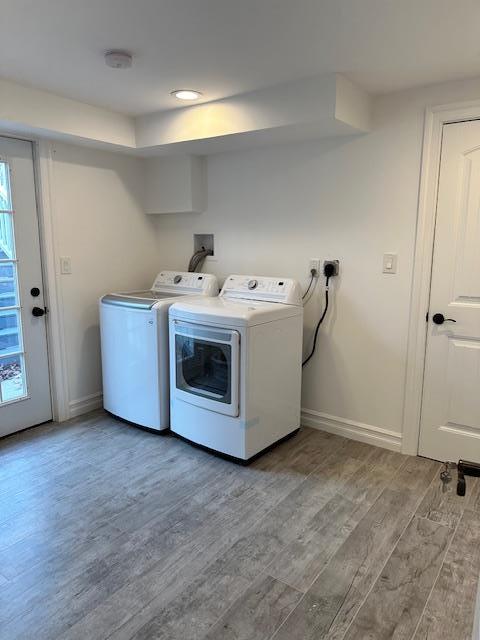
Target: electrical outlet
(314,264)
(336,266)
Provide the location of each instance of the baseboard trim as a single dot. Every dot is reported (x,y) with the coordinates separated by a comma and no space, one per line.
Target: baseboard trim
(83,405)
(350,429)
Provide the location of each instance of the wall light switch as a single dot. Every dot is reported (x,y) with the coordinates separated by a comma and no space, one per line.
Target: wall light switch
(66,265)
(390,262)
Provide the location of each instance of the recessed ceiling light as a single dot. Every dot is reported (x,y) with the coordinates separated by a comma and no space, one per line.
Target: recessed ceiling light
(186,94)
(118,59)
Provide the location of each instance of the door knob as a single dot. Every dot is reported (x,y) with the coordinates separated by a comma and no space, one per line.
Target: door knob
(38,312)
(439,318)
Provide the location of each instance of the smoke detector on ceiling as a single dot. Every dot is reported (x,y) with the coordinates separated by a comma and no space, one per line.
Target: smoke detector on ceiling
(118,59)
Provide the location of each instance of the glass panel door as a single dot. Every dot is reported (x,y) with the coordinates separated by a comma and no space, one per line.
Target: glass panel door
(25,398)
(12,360)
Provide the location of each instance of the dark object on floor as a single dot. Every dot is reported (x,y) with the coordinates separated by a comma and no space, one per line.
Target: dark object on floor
(466,468)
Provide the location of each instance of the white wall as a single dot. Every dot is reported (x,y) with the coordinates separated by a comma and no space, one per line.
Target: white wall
(100,224)
(350,198)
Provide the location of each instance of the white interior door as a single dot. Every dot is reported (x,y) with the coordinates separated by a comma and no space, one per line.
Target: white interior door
(24,377)
(450,427)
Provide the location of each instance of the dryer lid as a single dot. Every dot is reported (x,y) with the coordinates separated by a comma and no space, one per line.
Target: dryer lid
(227,312)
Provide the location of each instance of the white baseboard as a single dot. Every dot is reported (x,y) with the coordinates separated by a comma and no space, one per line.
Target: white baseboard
(350,429)
(84,405)
(332,424)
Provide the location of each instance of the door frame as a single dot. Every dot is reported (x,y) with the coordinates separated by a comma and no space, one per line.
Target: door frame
(46,210)
(435,118)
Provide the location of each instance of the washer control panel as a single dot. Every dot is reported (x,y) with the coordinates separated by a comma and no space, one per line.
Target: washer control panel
(283,290)
(186,282)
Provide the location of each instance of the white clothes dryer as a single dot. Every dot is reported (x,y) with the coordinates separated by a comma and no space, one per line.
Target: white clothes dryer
(236,365)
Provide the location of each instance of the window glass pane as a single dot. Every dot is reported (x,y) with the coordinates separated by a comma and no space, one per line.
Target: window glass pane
(5,197)
(8,285)
(12,367)
(203,368)
(10,332)
(12,378)
(7,244)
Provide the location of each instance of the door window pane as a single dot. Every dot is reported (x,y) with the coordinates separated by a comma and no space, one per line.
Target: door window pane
(204,368)
(10,332)
(12,378)
(8,285)
(5,197)
(12,361)
(7,244)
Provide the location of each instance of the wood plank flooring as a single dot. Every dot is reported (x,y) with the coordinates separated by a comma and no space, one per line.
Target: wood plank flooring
(107,531)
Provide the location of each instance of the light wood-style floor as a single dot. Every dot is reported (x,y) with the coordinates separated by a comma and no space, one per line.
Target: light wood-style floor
(107,531)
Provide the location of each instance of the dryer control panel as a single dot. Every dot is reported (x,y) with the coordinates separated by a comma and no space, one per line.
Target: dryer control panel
(282,290)
(186,282)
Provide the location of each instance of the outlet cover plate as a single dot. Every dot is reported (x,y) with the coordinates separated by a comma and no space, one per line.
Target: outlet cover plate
(314,263)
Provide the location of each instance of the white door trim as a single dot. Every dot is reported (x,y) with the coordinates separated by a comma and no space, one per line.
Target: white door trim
(435,118)
(57,352)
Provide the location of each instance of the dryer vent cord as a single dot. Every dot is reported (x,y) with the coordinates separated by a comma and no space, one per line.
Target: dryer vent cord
(198,257)
(322,318)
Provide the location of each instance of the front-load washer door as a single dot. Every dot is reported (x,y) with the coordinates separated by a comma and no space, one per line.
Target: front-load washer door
(207,365)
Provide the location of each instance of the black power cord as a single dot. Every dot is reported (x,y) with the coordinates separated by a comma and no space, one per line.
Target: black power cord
(328,271)
(313,275)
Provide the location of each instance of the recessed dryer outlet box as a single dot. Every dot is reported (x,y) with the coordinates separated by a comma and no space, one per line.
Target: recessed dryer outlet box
(204,241)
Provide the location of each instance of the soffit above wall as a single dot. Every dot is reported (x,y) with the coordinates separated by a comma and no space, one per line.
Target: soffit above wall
(318,107)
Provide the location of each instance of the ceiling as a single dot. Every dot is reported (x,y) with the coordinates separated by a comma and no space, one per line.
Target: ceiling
(226,47)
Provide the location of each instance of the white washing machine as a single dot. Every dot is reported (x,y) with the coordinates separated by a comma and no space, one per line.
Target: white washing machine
(236,365)
(134,339)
